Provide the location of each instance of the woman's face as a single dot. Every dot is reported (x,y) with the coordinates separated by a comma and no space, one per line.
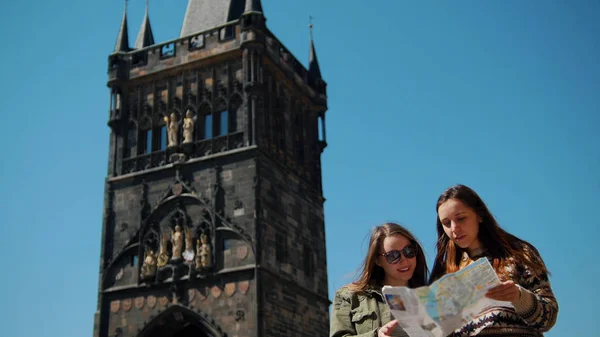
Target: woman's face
(460,223)
(397,267)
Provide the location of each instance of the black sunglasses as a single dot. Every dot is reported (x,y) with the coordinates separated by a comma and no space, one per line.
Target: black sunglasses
(393,256)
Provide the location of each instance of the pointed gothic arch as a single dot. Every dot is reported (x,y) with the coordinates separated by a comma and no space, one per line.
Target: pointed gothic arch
(178,321)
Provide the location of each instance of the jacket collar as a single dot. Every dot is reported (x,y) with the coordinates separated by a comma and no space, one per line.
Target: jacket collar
(374,289)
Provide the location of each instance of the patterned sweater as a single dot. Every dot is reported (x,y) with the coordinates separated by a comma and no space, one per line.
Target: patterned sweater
(534,313)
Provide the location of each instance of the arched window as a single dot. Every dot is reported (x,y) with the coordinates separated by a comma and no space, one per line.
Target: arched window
(221,119)
(204,123)
(144,137)
(163,137)
(208,126)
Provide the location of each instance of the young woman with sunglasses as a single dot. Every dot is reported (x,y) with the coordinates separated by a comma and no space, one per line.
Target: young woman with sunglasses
(468,231)
(394,258)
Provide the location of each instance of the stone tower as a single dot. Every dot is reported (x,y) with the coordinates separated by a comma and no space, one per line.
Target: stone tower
(213,214)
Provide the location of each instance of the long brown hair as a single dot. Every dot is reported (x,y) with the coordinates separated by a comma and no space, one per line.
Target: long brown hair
(503,247)
(371,272)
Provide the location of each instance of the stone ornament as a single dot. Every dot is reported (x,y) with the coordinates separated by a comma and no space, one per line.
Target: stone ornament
(230,289)
(151,301)
(115,306)
(188,128)
(149,265)
(177,242)
(172,129)
(244,286)
(127,304)
(203,259)
(139,302)
(215,291)
(163,257)
(242,252)
(188,254)
(201,294)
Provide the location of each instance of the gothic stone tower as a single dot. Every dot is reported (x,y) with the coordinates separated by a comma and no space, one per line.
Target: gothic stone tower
(213,216)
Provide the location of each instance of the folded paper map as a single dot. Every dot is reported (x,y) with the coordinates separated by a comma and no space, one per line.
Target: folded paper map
(447,304)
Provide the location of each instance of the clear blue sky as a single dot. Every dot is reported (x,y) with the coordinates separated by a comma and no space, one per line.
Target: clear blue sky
(499,95)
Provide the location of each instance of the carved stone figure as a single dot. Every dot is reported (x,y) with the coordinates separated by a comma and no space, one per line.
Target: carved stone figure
(188,254)
(203,259)
(177,241)
(163,257)
(149,266)
(172,129)
(118,102)
(188,128)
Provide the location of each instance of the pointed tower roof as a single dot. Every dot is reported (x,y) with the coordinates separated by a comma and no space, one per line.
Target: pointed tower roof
(123,38)
(145,37)
(202,15)
(313,62)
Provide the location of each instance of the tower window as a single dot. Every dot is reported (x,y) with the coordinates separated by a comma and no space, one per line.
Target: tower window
(148,145)
(168,50)
(163,137)
(227,32)
(197,42)
(223,123)
(208,125)
(320,125)
(145,142)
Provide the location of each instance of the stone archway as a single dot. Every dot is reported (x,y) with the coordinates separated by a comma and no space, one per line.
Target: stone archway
(179,322)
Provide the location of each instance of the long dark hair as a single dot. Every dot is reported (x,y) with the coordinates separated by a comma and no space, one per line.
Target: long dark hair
(501,246)
(372,272)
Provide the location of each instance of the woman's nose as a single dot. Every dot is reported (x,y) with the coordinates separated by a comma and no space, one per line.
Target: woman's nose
(454,226)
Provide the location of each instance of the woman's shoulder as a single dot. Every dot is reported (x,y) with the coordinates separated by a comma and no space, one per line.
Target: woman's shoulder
(353,290)
(347,291)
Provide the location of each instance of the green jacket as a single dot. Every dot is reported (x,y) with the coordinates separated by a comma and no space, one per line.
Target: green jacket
(360,314)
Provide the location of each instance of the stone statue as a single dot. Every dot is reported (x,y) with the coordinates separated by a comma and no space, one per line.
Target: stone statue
(177,241)
(203,258)
(149,266)
(188,254)
(188,128)
(118,102)
(163,257)
(172,129)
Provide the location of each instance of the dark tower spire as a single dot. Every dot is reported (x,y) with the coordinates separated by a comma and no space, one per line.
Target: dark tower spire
(145,37)
(313,62)
(123,38)
(253,6)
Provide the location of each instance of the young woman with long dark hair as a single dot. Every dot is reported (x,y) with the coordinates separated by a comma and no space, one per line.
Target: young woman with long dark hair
(394,258)
(466,232)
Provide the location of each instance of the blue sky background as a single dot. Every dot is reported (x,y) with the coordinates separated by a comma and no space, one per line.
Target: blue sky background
(499,95)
